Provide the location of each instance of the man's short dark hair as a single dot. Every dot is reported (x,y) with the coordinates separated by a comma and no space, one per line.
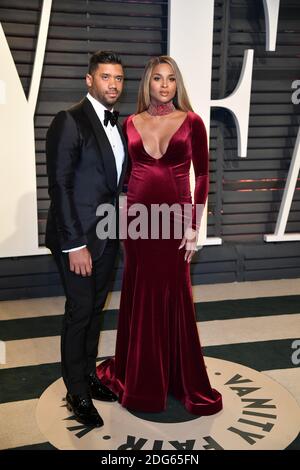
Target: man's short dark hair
(103,57)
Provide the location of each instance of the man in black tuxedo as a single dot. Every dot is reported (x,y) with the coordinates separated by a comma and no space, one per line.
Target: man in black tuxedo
(86,163)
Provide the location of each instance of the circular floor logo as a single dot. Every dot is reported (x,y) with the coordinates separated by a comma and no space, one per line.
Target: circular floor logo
(258,414)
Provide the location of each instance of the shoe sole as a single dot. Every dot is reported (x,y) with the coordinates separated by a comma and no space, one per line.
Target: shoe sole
(104,399)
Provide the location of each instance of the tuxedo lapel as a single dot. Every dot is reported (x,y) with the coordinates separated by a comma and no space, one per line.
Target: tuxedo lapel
(124,166)
(105,149)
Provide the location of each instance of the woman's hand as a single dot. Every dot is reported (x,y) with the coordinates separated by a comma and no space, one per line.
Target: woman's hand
(190,242)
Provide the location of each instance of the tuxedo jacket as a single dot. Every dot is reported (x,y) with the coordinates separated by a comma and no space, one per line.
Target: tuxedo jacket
(82,174)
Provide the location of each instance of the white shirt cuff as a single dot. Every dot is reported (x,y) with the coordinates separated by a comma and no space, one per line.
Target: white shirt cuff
(74,249)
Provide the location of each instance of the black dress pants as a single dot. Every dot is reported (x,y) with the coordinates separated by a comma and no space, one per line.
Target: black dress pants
(85,299)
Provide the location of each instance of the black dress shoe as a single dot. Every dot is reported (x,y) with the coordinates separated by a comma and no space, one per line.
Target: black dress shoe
(84,410)
(100,391)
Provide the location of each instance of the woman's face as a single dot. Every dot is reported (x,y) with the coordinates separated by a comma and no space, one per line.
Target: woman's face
(162,84)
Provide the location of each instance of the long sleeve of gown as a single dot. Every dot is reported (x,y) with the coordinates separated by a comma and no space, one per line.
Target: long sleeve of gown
(200,159)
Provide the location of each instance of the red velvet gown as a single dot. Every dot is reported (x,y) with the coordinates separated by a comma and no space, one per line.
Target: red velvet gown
(158,349)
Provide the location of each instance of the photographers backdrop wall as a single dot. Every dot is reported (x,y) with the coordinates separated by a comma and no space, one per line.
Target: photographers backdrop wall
(245,194)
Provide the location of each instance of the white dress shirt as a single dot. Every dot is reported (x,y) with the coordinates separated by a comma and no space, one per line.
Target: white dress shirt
(112,135)
(114,140)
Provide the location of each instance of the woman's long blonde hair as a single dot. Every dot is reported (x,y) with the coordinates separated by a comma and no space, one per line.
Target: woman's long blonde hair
(181,99)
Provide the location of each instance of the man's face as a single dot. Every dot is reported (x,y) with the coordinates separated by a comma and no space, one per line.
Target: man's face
(106,83)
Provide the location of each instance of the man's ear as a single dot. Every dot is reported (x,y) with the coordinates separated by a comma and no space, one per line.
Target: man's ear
(89,80)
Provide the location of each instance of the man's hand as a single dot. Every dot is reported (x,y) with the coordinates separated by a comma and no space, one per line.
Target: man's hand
(81,262)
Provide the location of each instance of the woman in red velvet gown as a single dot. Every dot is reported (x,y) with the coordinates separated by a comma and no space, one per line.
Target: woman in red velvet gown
(158,349)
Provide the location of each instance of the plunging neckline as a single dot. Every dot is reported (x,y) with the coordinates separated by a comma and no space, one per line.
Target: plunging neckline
(170,140)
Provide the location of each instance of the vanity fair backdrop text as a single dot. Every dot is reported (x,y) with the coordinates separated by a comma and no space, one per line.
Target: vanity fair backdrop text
(18,209)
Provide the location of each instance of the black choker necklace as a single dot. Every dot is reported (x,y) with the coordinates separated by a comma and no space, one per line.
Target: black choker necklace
(161,109)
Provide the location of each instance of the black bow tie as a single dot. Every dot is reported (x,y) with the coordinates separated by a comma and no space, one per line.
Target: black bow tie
(111,117)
